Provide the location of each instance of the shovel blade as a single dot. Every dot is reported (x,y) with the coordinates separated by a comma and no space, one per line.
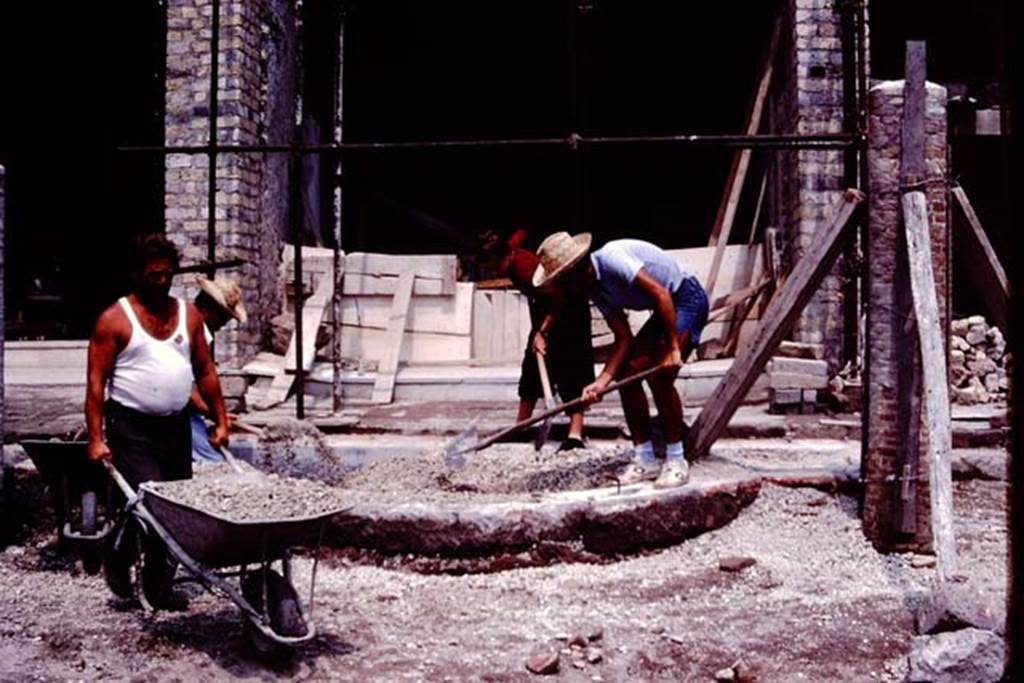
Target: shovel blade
(455,450)
(542,434)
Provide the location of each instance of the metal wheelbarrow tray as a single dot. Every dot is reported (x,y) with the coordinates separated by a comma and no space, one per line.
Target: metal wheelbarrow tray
(206,544)
(80,492)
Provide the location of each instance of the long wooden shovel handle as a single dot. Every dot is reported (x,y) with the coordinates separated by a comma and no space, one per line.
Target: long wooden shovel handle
(563,407)
(545,381)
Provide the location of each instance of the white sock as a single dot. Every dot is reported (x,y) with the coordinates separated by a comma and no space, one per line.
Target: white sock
(643,453)
(674,451)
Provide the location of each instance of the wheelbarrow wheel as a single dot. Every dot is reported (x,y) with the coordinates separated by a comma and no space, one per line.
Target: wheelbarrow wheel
(282,611)
(87,526)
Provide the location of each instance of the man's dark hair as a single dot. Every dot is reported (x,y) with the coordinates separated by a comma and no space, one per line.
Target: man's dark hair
(151,247)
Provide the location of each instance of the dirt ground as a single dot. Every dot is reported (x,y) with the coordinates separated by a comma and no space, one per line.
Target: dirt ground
(818,603)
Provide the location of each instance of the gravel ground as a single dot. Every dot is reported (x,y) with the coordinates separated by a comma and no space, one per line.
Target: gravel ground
(817,604)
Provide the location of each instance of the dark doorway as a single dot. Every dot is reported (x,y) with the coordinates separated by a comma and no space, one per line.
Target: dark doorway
(78,80)
(462,70)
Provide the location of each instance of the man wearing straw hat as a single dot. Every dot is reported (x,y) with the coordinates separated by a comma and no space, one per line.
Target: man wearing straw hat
(631,274)
(218,302)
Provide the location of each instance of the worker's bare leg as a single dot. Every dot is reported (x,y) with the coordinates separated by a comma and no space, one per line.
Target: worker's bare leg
(638,413)
(526,407)
(576,425)
(670,407)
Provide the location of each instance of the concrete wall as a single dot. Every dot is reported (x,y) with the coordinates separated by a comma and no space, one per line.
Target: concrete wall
(889,340)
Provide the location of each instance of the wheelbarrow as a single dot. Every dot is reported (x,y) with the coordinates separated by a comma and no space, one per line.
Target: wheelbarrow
(81,495)
(215,551)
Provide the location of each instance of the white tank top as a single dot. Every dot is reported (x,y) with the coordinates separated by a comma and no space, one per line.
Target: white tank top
(151,375)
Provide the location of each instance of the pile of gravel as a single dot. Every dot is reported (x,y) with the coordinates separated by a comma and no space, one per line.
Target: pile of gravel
(249,497)
(501,472)
(296,448)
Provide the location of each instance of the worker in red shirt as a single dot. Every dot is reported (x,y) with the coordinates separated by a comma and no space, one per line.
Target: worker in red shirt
(565,343)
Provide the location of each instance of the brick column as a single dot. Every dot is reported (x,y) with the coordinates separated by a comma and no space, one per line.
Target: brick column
(816,61)
(247,226)
(889,341)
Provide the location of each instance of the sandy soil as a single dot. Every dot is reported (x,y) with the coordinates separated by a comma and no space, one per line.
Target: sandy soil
(817,604)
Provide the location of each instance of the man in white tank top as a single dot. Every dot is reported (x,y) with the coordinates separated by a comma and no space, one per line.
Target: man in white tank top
(145,352)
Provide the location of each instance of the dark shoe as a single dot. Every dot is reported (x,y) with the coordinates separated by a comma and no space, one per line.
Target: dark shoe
(571,444)
(117,572)
(168,601)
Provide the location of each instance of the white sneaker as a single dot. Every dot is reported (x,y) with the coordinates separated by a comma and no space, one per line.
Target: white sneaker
(676,472)
(636,472)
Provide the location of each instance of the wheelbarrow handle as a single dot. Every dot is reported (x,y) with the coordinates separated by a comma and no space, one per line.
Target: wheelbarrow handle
(119,479)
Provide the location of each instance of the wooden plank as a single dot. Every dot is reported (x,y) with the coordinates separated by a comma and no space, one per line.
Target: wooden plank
(482,314)
(384,384)
(436,267)
(758,207)
(777,321)
(313,310)
(936,387)
(982,263)
(908,364)
(741,162)
(419,347)
(438,314)
(361,284)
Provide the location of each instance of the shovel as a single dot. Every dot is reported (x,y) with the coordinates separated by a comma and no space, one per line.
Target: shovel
(549,403)
(467,441)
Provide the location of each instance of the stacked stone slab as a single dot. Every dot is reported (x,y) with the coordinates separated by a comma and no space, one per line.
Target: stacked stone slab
(978,362)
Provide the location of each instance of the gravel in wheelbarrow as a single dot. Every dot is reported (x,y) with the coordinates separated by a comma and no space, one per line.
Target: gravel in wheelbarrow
(232,519)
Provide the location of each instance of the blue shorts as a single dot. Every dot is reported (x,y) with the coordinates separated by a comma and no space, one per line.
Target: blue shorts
(202,451)
(691,303)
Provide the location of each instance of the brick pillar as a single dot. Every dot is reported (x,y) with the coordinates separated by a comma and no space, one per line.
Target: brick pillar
(889,341)
(814,69)
(247,224)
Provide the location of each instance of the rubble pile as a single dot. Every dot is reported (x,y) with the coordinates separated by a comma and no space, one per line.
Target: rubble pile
(978,362)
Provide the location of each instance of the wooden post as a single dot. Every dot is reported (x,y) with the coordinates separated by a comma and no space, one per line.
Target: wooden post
(936,387)
(914,204)
(905,333)
(741,162)
(778,319)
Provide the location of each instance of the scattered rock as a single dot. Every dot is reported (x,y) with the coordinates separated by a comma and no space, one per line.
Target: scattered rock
(596,634)
(725,675)
(959,344)
(969,654)
(959,327)
(543,664)
(922,561)
(594,655)
(577,640)
(959,606)
(735,564)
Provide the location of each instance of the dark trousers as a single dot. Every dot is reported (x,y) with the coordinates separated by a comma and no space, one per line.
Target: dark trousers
(146,448)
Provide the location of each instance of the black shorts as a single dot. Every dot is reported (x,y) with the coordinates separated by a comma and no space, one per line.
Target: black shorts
(570,358)
(149,447)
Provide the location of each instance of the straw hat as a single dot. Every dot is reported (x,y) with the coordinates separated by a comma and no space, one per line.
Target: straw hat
(227,293)
(558,253)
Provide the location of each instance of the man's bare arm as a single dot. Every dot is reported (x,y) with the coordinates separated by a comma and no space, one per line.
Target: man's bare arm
(664,308)
(103,350)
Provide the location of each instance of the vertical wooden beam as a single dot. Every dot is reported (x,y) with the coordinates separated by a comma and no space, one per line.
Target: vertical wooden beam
(926,311)
(778,319)
(740,163)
